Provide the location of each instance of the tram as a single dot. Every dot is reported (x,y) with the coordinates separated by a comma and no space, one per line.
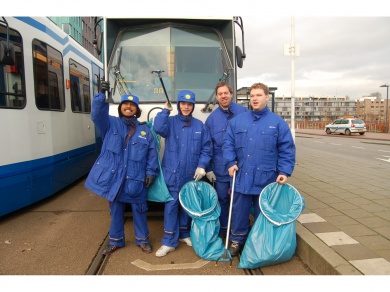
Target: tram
(47,82)
(155,58)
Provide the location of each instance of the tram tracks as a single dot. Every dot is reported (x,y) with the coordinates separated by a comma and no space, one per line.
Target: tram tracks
(100,261)
(253,272)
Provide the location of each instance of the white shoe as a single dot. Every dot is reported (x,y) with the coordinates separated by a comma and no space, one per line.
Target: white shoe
(163,250)
(186,240)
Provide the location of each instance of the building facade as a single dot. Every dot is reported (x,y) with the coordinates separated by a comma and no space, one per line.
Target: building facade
(371,109)
(307,108)
(82,29)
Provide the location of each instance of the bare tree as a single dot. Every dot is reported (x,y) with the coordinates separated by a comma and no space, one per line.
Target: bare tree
(377,94)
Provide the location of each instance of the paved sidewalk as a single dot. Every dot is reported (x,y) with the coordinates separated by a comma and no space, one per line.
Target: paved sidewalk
(345,228)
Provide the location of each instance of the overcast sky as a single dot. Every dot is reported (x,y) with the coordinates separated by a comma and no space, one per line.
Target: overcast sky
(344,44)
(339,56)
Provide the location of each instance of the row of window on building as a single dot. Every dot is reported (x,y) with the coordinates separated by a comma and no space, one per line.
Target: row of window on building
(326,109)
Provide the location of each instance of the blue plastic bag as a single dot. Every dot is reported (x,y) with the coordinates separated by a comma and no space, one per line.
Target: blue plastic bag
(272,239)
(200,201)
(158,191)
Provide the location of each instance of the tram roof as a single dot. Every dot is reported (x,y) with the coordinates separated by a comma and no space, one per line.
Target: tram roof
(213,22)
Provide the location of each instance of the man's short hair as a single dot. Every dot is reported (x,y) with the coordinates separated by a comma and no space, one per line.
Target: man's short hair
(260,86)
(221,84)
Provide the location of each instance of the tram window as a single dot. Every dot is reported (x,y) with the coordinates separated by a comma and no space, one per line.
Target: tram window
(87,99)
(96,84)
(54,91)
(141,51)
(205,68)
(97,73)
(48,77)
(79,87)
(12,86)
(191,58)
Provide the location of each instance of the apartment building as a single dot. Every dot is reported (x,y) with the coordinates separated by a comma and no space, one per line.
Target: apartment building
(371,109)
(307,108)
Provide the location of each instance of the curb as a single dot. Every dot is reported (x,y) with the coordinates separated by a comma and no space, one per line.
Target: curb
(319,257)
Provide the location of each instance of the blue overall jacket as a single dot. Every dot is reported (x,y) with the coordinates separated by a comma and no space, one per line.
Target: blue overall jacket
(262,146)
(186,147)
(120,170)
(217,123)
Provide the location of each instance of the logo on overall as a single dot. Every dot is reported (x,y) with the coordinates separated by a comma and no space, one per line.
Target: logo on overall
(143,134)
(188,96)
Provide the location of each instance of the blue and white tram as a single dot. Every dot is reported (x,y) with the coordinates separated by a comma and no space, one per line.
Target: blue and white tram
(47,81)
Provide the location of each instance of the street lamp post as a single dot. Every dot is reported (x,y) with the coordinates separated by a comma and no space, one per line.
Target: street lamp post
(387,106)
(312,115)
(272,93)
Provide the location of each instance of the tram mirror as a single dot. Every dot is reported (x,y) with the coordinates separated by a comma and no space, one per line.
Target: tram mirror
(239,57)
(7,55)
(98,46)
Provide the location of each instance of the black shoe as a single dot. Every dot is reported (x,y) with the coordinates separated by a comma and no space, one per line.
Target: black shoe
(235,248)
(146,247)
(109,249)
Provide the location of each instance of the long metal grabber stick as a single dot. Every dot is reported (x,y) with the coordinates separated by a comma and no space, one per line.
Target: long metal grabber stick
(162,83)
(105,58)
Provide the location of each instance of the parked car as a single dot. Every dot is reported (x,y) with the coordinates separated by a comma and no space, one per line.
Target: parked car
(346,126)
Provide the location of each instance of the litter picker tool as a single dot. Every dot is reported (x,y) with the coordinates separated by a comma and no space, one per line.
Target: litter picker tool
(226,254)
(158,72)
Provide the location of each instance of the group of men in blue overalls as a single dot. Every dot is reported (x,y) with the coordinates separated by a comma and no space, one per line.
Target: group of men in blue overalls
(255,146)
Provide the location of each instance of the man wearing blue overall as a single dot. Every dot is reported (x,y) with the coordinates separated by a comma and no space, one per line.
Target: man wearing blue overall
(125,168)
(217,123)
(259,147)
(186,155)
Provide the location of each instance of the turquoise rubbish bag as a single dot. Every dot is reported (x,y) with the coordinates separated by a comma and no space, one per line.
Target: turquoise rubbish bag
(200,201)
(272,239)
(158,191)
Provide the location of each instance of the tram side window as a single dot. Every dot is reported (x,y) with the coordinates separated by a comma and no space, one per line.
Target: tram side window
(96,73)
(96,84)
(48,77)
(87,99)
(12,86)
(79,87)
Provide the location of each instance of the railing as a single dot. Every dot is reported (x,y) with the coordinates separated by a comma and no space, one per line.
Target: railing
(371,127)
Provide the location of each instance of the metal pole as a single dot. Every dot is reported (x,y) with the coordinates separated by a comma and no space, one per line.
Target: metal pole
(162,84)
(292,127)
(387,106)
(105,61)
(272,93)
(312,98)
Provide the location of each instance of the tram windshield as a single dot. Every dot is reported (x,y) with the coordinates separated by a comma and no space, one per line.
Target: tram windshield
(192,59)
